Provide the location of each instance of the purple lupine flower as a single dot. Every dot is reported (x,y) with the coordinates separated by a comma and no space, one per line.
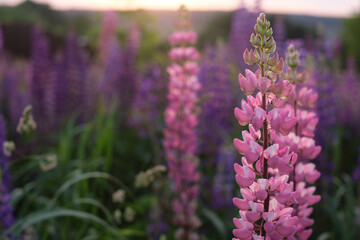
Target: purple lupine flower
(224,186)
(6,211)
(280,35)
(68,81)
(111,80)
(242,24)
(215,80)
(76,75)
(348,93)
(157,226)
(337,47)
(40,73)
(60,94)
(128,80)
(15,95)
(4,163)
(146,107)
(239,35)
(326,107)
(327,111)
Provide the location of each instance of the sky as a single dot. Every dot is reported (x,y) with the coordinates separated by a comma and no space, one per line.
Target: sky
(333,8)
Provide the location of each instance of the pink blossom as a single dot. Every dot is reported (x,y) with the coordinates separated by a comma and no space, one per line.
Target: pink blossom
(281,120)
(244,175)
(281,89)
(244,229)
(183,53)
(183,38)
(245,114)
(248,84)
(259,117)
(306,172)
(307,97)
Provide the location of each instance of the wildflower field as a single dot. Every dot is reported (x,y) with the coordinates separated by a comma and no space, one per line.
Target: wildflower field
(178,125)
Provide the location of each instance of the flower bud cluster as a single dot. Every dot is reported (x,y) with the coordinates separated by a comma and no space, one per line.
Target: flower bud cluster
(272,207)
(181,117)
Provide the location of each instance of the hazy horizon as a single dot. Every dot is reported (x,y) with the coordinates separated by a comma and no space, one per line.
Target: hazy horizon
(330,8)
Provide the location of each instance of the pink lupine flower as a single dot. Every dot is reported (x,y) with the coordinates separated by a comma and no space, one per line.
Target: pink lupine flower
(303,145)
(306,172)
(275,147)
(281,89)
(307,97)
(249,148)
(191,68)
(249,83)
(245,114)
(180,138)
(183,38)
(309,150)
(281,120)
(244,176)
(264,199)
(257,101)
(280,158)
(244,229)
(300,141)
(184,53)
(307,122)
(259,117)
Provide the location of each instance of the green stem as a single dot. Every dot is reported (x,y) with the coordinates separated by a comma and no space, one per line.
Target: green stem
(265,145)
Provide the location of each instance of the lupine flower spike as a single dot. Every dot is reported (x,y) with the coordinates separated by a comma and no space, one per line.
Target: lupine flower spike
(268,196)
(300,140)
(181,117)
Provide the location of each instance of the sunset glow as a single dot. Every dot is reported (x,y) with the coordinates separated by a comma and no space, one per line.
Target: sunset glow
(310,7)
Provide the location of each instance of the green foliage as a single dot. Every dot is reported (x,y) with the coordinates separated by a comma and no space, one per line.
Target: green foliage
(218,29)
(342,210)
(352,36)
(29,12)
(73,199)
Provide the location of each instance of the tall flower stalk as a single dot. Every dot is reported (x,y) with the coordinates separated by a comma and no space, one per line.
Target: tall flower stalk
(301,141)
(268,196)
(127,85)
(181,117)
(40,83)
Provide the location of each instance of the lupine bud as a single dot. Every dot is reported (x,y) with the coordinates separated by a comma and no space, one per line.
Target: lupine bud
(273,60)
(278,68)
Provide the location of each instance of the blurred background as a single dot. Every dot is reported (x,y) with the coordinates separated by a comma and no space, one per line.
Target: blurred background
(95,75)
